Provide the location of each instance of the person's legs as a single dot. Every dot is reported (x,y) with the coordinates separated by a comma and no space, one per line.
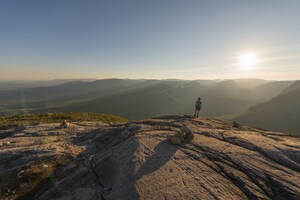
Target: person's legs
(198,110)
(195,113)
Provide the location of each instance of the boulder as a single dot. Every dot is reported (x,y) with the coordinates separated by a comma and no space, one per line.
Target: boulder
(235,125)
(189,136)
(64,124)
(187,132)
(179,134)
(175,140)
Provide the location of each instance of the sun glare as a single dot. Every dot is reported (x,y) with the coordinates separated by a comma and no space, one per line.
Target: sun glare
(248,61)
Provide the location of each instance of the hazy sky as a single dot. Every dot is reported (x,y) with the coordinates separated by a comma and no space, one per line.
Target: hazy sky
(186,39)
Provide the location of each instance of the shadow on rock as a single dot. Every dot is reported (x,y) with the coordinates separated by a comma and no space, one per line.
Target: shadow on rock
(163,152)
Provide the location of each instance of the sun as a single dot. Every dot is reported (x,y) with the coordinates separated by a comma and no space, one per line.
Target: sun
(248,61)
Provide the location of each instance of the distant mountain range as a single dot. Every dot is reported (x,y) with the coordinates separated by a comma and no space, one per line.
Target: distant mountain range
(17,84)
(281,113)
(250,101)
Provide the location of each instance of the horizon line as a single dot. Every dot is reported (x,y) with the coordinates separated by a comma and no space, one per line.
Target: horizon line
(111,78)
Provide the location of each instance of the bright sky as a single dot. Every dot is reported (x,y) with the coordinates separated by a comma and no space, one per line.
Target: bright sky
(185,39)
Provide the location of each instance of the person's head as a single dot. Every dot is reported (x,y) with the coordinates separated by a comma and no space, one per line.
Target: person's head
(199,98)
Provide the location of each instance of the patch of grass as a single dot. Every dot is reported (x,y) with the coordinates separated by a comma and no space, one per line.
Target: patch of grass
(34,119)
(27,182)
(231,116)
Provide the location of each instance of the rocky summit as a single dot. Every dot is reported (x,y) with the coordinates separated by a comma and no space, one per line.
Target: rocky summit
(137,160)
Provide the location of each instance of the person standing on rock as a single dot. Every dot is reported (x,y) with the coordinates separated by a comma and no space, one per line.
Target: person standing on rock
(198,107)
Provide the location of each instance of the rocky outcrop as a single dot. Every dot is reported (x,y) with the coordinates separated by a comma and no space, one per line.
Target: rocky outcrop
(184,133)
(137,160)
(64,124)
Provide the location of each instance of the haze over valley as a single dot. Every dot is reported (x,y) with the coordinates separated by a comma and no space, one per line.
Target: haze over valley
(250,101)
